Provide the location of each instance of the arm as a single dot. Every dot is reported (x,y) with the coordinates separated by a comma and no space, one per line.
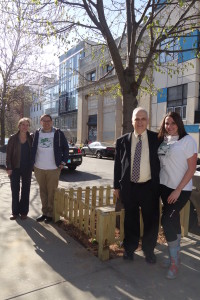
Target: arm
(192,162)
(9,150)
(65,150)
(117,170)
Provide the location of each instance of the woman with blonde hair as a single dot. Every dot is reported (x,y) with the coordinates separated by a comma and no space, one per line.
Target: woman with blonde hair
(18,165)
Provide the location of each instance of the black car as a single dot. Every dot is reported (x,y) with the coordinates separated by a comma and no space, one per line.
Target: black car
(75,157)
(99,149)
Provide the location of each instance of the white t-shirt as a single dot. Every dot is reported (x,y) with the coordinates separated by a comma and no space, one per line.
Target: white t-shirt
(45,159)
(173,155)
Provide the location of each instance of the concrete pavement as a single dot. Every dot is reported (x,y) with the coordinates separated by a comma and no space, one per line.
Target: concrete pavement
(40,261)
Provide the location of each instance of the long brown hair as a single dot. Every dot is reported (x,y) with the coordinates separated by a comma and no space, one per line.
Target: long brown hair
(178,121)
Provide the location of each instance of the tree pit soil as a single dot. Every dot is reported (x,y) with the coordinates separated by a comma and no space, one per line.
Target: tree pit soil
(116,250)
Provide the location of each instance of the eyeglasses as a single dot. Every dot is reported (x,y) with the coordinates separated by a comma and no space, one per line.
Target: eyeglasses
(46,121)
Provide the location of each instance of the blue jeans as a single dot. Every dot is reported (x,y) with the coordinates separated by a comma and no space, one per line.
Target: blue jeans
(20,205)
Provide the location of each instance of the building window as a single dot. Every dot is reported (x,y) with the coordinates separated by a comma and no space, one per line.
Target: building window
(109,68)
(91,76)
(169,47)
(177,99)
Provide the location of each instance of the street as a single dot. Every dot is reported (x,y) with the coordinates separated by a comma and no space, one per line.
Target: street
(92,172)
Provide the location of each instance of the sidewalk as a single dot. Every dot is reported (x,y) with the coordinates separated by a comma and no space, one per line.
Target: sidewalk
(40,261)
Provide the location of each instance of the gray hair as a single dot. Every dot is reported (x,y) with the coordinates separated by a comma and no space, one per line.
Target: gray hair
(137,109)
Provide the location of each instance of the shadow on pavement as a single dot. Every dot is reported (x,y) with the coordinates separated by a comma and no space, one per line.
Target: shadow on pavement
(76,176)
(117,278)
(193,222)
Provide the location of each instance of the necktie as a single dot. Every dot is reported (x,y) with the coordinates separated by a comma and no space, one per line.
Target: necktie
(136,161)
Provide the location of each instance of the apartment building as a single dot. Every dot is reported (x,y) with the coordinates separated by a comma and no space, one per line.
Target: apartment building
(99,107)
(68,94)
(179,90)
(51,102)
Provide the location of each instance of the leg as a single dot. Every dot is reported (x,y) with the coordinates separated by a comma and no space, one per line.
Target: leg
(149,202)
(171,213)
(172,228)
(52,179)
(131,229)
(42,181)
(15,188)
(131,222)
(25,191)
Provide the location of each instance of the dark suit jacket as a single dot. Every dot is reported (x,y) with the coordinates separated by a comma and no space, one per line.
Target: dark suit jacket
(123,163)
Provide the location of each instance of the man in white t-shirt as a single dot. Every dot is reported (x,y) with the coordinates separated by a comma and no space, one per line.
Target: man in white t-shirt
(50,154)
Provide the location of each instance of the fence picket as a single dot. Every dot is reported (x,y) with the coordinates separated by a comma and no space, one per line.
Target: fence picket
(87,210)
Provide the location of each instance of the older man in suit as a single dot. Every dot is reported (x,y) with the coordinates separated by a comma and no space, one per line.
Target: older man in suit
(136,183)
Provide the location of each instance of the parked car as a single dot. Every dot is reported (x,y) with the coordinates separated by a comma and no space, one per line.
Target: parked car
(99,149)
(3,153)
(75,157)
(3,156)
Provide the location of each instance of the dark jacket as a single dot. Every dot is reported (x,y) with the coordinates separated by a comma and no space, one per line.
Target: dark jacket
(60,145)
(123,163)
(13,151)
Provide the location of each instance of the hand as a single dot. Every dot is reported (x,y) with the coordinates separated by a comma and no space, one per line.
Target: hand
(9,172)
(117,193)
(61,167)
(173,196)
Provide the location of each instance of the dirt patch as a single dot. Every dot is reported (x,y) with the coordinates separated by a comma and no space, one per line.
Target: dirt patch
(116,250)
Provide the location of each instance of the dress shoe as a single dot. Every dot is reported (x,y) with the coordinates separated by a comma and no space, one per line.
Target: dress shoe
(150,258)
(128,256)
(41,218)
(23,217)
(13,217)
(48,220)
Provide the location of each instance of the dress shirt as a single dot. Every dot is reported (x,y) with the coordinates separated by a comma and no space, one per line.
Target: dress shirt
(145,171)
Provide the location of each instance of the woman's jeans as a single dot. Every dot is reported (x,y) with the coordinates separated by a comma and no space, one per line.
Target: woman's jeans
(171,212)
(20,204)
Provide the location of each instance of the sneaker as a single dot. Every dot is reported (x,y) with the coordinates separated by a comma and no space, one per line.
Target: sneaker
(13,217)
(48,220)
(41,218)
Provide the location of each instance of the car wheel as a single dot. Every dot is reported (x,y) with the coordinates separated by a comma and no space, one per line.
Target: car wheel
(83,152)
(98,155)
(72,168)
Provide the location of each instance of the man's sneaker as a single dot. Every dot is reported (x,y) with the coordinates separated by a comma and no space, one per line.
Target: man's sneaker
(41,218)
(48,220)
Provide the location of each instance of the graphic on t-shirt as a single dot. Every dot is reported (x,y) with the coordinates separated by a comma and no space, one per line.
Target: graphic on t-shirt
(46,142)
(163,148)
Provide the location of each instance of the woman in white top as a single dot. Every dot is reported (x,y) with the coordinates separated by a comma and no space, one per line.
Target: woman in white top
(178,157)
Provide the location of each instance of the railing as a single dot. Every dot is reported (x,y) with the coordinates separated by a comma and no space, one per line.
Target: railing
(92,210)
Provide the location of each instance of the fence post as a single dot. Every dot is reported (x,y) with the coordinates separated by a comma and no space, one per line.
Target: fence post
(103,248)
(58,199)
(105,230)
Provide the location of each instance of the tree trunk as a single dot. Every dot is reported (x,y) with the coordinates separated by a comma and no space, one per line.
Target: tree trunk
(3,119)
(129,104)
(2,125)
